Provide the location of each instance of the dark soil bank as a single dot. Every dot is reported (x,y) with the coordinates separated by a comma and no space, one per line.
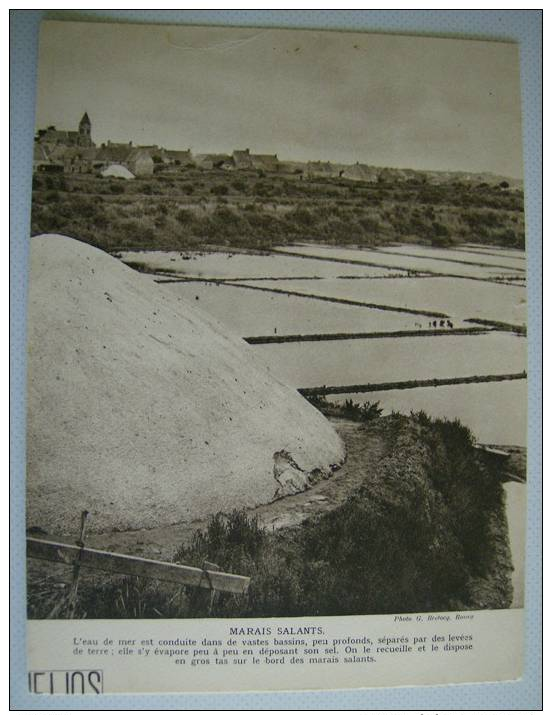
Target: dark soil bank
(414,521)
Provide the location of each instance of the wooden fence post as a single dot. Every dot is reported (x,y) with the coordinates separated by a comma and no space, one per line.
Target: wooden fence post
(72,600)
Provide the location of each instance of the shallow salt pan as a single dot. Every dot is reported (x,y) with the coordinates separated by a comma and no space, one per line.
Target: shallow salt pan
(347,362)
(513,261)
(495,412)
(250,312)
(457,298)
(241,265)
(397,261)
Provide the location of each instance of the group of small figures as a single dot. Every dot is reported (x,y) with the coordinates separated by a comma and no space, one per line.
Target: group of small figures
(437,324)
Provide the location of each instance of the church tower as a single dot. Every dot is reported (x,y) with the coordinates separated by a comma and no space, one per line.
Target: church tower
(85,128)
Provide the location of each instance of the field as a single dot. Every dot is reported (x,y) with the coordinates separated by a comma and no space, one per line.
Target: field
(193,207)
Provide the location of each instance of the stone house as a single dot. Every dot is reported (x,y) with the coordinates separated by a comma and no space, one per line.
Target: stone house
(180,158)
(78,160)
(265,162)
(322,169)
(113,153)
(140,162)
(211,161)
(242,159)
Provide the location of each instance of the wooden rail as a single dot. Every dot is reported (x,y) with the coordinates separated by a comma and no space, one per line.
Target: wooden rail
(136,566)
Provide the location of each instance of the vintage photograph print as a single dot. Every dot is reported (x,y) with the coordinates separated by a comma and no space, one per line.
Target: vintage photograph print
(277,322)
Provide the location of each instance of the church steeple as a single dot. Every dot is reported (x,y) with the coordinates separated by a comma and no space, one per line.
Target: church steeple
(85,129)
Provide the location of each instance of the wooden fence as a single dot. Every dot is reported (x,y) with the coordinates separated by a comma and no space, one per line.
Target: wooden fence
(84,557)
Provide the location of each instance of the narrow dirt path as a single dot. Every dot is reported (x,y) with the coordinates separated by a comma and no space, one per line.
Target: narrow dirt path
(364,449)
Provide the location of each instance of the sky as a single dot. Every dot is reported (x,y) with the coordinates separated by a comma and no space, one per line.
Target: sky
(384,100)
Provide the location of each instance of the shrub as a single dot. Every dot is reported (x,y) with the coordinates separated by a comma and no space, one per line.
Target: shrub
(507,238)
(302,217)
(79,208)
(185,216)
(319,401)
(479,219)
(318,209)
(262,189)
(219,190)
(441,234)
(370,225)
(239,185)
(46,221)
(362,413)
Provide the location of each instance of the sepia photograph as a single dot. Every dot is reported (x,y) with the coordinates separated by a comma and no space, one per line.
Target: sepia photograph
(277,325)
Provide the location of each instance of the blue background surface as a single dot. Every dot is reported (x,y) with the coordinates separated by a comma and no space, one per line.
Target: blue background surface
(522,26)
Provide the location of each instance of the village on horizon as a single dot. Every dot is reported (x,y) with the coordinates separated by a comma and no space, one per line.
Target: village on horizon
(74,152)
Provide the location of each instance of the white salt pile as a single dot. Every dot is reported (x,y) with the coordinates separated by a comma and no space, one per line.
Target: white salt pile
(141,409)
(118,171)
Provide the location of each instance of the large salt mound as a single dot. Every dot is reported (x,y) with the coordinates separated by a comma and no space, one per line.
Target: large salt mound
(141,409)
(118,171)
